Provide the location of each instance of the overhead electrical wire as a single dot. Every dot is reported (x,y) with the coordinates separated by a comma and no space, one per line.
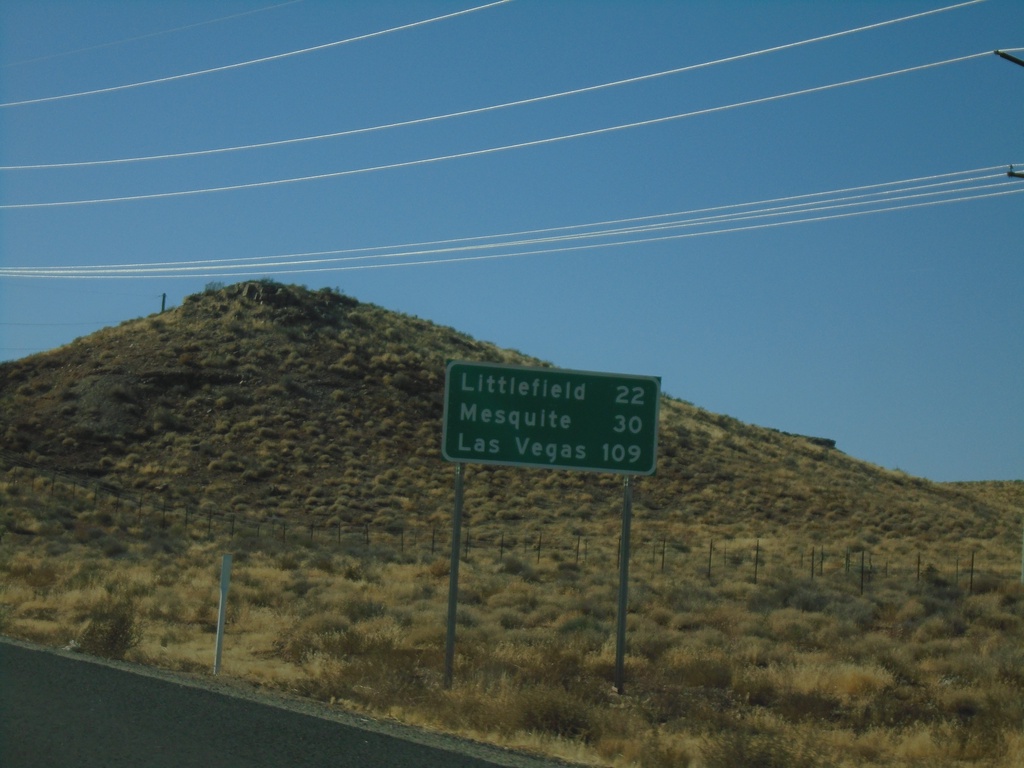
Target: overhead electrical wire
(240,64)
(489,150)
(494,256)
(835,205)
(696,215)
(486,257)
(886,197)
(148,36)
(880,189)
(490,108)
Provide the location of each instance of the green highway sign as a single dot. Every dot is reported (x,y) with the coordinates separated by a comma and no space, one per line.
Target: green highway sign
(550,418)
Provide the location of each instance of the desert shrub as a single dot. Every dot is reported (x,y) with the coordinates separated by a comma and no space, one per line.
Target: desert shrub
(367,667)
(511,620)
(857,611)
(807,597)
(322,562)
(757,690)
(550,710)
(84,532)
(583,627)
(166,420)
(937,628)
(40,576)
(1009,666)
(114,629)
(704,673)
(299,586)
(439,569)
(651,643)
(747,747)
(807,705)
(290,561)
(325,635)
(662,753)
(513,566)
(362,609)
(112,547)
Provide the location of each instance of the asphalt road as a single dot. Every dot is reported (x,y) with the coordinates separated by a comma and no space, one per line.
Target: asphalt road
(60,710)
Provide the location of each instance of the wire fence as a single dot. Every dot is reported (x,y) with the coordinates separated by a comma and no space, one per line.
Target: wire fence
(654,550)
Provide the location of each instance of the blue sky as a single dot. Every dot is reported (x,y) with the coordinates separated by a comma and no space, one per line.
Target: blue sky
(862,277)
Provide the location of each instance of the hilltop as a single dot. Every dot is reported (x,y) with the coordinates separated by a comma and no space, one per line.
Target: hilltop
(274,401)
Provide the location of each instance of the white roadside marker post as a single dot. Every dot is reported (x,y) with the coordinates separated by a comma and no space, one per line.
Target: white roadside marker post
(225,581)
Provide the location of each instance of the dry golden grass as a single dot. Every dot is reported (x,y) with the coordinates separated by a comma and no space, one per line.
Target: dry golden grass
(790,671)
(300,431)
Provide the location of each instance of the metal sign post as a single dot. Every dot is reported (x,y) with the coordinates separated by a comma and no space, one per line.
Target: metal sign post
(549,418)
(620,628)
(453,579)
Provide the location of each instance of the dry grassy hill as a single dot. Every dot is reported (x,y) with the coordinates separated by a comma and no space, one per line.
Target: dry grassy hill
(271,400)
(790,605)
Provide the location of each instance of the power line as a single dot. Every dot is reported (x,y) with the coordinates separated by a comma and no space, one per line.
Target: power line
(434,262)
(239,65)
(436,246)
(148,36)
(490,150)
(491,108)
(779,206)
(806,212)
(880,188)
(609,227)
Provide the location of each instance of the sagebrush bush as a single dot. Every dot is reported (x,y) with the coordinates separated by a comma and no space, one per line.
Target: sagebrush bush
(114,628)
